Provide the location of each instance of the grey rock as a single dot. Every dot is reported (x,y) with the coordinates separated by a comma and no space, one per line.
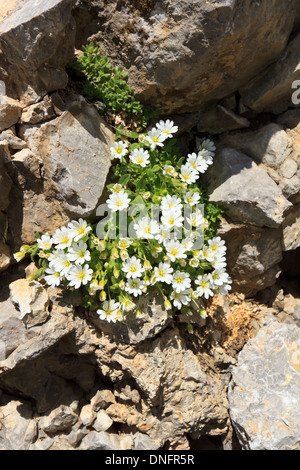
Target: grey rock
(270,145)
(186,55)
(264,391)
(14,143)
(17,428)
(219,119)
(88,415)
(36,67)
(133,330)
(245,190)
(106,441)
(253,255)
(10,111)
(291,230)
(103,422)
(288,169)
(59,420)
(143,442)
(102,399)
(290,118)
(5,181)
(38,112)
(32,301)
(76,158)
(272,90)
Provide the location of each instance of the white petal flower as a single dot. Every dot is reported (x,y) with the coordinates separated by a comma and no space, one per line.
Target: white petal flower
(163,273)
(218,278)
(59,261)
(140,157)
(163,234)
(175,250)
(45,242)
(53,278)
(109,311)
(155,138)
(118,201)
(146,228)
(62,238)
(188,174)
(197,163)
(119,149)
(132,267)
(172,218)
(78,229)
(181,281)
(171,203)
(124,243)
(79,275)
(196,219)
(217,245)
(207,144)
(79,253)
(167,127)
(181,298)
(135,287)
(205,286)
(192,198)
(170,171)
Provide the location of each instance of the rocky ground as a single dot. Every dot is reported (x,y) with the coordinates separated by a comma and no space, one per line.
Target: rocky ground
(69,381)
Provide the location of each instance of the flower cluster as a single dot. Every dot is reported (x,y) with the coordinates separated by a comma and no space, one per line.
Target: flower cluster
(173,246)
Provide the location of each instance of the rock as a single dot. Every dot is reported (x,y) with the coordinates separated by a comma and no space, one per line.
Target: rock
(132,330)
(245,190)
(219,119)
(253,256)
(17,428)
(38,112)
(184,56)
(269,145)
(290,118)
(5,256)
(291,310)
(106,441)
(76,158)
(143,442)
(14,143)
(272,91)
(103,421)
(34,67)
(59,420)
(88,415)
(264,391)
(10,111)
(13,332)
(32,300)
(291,230)
(5,181)
(102,399)
(76,435)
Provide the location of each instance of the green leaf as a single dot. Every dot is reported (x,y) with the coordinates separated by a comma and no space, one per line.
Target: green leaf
(124,179)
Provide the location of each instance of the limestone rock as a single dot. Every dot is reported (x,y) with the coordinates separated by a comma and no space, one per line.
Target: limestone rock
(10,111)
(75,155)
(33,66)
(5,181)
(219,119)
(184,55)
(14,143)
(106,441)
(245,190)
(291,230)
(253,255)
(88,415)
(103,422)
(38,112)
(32,300)
(59,420)
(264,391)
(272,90)
(18,429)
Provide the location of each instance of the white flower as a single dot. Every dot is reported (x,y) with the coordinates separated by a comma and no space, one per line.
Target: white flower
(124,243)
(217,245)
(94,287)
(45,242)
(175,250)
(59,261)
(155,138)
(146,228)
(170,170)
(171,203)
(19,256)
(208,145)
(206,156)
(140,157)
(163,234)
(181,298)
(188,174)
(109,311)
(79,253)
(187,243)
(118,201)
(79,275)
(163,273)
(197,163)
(117,188)
(53,278)
(205,286)
(133,268)
(172,218)
(127,305)
(119,149)
(79,229)
(181,281)
(62,238)
(167,128)
(135,286)
(218,262)
(196,219)
(218,278)
(192,198)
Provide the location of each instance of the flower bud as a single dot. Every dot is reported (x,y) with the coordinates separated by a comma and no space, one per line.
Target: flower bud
(19,256)
(102,296)
(124,255)
(114,253)
(168,305)
(116,273)
(147,265)
(122,285)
